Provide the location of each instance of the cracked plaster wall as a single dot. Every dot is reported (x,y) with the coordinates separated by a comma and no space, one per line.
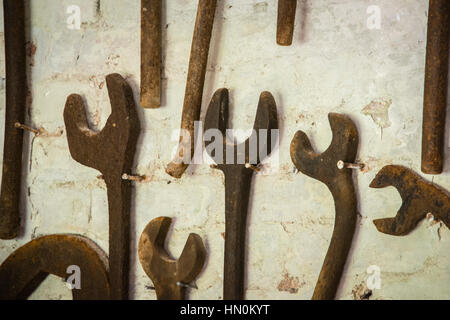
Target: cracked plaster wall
(335,64)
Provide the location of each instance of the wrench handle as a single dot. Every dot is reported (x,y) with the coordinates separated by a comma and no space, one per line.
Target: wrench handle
(238,181)
(16,92)
(286,21)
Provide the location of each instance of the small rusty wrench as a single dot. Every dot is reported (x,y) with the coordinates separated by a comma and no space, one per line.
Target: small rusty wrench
(111,151)
(323,167)
(238,178)
(419,198)
(170,277)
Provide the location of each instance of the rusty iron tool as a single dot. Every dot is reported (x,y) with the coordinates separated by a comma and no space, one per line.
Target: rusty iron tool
(110,151)
(286,21)
(323,167)
(151,53)
(238,178)
(16,93)
(419,198)
(27,267)
(194,86)
(435,94)
(170,277)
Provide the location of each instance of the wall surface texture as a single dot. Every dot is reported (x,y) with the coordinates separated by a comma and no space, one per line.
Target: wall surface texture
(336,64)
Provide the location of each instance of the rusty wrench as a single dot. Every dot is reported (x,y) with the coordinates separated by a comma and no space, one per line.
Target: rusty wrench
(169,276)
(435,94)
(16,93)
(286,21)
(238,178)
(111,151)
(194,86)
(419,198)
(323,167)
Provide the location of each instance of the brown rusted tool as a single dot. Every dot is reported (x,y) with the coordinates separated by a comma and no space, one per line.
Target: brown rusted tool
(238,178)
(323,167)
(16,93)
(419,198)
(194,86)
(27,267)
(151,53)
(110,151)
(170,277)
(435,94)
(286,21)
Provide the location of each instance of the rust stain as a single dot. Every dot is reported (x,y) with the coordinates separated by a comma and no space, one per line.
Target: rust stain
(290,284)
(361,292)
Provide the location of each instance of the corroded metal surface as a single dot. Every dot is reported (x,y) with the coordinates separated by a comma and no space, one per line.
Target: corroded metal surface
(151,53)
(435,94)
(16,92)
(169,275)
(110,151)
(27,267)
(419,198)
(238,180)
(286,21)
(323,167)
(194,85)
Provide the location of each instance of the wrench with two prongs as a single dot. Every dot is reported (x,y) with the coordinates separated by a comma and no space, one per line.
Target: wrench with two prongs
(238,177)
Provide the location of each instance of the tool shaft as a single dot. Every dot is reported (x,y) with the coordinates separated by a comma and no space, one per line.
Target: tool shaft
(16,91)
(286,20)
(435,94)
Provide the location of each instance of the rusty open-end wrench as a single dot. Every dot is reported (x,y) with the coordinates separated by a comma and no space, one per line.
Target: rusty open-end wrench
(16,93)
(238,178)
(170,277)
(286,21)
(27,267)
(419,198)
(194,86)
(111,151)
(323,167)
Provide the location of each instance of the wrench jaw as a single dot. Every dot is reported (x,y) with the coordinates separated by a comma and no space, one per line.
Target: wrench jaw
(419,198)
(165,272)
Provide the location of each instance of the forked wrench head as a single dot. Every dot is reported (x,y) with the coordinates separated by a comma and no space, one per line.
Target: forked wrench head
(419,198)
(166,273)
(323,166)
(260,144)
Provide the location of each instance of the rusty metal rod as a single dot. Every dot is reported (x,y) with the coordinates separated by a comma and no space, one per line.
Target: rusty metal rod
(286,20)
(150,53)
(194,85)
(16,91)
(435,95)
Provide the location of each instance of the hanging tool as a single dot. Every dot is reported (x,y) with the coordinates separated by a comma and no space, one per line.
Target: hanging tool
(170,277)
(238,178)
(110,151)
(435,94)
(16,93)
(151,53)
(419,198)
(286,21)
(27,267)
(194,86)
(339,180)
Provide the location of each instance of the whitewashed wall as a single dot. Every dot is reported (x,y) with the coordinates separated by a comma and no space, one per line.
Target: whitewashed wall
(336,64)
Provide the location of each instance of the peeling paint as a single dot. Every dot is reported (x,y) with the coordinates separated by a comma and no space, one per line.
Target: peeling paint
(379,111)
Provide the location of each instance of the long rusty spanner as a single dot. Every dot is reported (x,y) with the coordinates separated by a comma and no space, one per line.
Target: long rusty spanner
(323,167)
(16,93)
(238,178)
(111,151)
(419,198)
(170,277)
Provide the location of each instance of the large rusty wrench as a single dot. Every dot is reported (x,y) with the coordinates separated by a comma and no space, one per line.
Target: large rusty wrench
(194,86)
(435,94)
(238,178)
(110,151)
(16,93)
(419,198)
(170,277)
(323,167)
(286,21)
